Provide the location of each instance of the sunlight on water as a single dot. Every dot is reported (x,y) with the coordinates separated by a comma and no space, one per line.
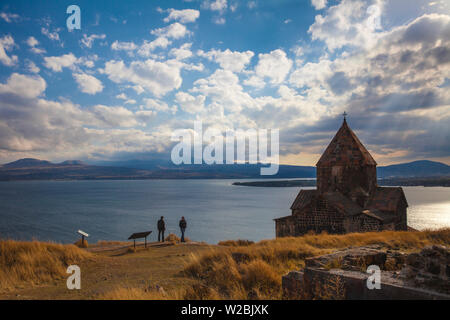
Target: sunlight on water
(429,208)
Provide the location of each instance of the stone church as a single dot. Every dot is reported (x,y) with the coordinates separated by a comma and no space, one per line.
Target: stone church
(347,198)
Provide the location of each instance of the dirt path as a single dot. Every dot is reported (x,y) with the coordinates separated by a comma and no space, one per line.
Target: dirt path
(114,266)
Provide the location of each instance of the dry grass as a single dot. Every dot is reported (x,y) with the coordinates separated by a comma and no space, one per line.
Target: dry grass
(254,271)
(32,263)
(235,243)
(141,294)
(82,244)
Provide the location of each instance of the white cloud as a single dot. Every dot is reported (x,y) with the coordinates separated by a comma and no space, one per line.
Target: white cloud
(87,41)
(6,44)
(58,62)
(181,53)
(157,77)
(215,5)
(33,42)
(157,106)
(190,103)
(123,96)
(229,60)
(175,30)
(319,4)
(274,65)
(349,23)
(251,4)
(255,81)
(51,35)
(9,17)
(184,16)
(87,83)
(148,47)
(115,116)
(219,20)
(32,67)
(24,86)
(127,46)
(30,125)
(224,90)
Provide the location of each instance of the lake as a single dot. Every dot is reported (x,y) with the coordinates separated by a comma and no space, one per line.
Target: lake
(215,209)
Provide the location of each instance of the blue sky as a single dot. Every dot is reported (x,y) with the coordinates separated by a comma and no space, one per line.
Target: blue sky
(138,70)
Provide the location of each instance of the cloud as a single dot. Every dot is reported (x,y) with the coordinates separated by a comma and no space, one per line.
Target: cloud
(229,60)
(126,46)
(115,116)
(6,44)
(219,20)
(157,77)
(146,49)
(183,16)
(32,125)
(123,96)
(175,30)
(190,103)
(33,42)
(51,35)
(58,62)
(24,86)
(32,67)
(87,83)
(9,17)
(274,65)
(87,41)
(157,106)
(224,91)
(215,5)
(319,4)
(184,52)
(349,23)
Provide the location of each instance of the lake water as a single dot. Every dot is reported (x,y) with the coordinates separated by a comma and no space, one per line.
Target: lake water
(215,209)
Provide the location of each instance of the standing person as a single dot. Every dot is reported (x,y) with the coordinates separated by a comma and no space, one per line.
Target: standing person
(161,229)
(183,225)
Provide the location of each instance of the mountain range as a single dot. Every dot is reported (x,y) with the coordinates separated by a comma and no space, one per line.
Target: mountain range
(35,169)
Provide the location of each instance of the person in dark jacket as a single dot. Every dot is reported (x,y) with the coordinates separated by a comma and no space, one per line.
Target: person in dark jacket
(161,229)
(183,225)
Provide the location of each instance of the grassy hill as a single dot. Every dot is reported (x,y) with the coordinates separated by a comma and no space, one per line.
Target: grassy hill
(230,270)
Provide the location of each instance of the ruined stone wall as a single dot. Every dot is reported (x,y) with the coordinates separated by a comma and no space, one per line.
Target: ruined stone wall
(402,220)
(363,223)
(284,227)
(318,217)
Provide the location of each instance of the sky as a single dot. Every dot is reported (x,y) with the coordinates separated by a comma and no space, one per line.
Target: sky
(135,71)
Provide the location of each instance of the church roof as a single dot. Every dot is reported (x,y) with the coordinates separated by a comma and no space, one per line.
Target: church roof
(381,204)
(386,199)
(345,149)
(303,198)
(333,199)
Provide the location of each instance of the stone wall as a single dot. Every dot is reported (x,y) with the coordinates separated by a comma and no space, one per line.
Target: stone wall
(341,275)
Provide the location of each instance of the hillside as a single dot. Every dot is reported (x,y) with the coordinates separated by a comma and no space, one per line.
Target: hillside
(34,169)
(230,270)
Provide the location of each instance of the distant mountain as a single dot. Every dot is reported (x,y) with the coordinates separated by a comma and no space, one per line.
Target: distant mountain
(34,169)
(27,163)
(422,168)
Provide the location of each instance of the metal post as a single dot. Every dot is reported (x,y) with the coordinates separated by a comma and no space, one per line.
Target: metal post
(134,243)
